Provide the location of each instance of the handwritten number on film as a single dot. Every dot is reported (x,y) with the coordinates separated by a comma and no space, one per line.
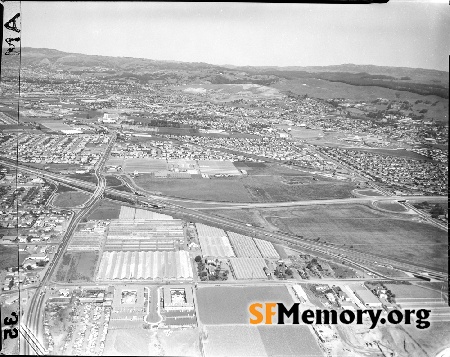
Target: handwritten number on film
(12,25)
(10,332)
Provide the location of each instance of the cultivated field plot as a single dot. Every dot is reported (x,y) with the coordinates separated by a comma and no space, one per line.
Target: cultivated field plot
(144,235)
(86,241)
(244,246)
(289,340)
(215,310)
(230,341)
(77,267)
(368,230)
(216,167)
(130,213)
(145,266)
(70,199)
(105,210)
(266,248)
(214,241)
(248,268)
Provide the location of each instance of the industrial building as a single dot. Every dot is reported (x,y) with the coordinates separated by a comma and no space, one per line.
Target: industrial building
(366,297)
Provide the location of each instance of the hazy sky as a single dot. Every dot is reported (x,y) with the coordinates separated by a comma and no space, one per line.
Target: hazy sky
(400,33)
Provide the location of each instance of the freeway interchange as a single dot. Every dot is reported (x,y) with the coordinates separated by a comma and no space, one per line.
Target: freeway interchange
(32,324)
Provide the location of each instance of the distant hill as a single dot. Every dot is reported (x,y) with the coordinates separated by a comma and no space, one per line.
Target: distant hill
(416,80)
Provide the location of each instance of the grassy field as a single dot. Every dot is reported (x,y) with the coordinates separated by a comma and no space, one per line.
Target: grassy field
(217,189)
(214,309)
(432,339)
(367,230)
(84,177)
(369,193)
(112,181)
(62,188)
(105,210)
(263,184)
(391,206)
(270,189)
(8,256)
(77,267)
(70,199)
(243,215)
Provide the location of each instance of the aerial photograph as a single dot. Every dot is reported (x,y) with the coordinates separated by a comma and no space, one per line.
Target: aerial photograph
(224,179)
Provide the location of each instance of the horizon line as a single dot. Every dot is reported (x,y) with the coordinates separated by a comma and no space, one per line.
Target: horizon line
(239,66)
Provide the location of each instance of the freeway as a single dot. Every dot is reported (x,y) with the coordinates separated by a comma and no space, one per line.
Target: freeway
(293,241)
(224,205)
(34,315)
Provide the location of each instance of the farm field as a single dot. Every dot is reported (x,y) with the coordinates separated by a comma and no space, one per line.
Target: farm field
(70,199)
(215,310)
(367,230)
(77,267)
(301,341)
(234,341)
(105,210)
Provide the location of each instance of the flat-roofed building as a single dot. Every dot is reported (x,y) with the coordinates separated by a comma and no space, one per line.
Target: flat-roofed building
(366,297)
(178,298)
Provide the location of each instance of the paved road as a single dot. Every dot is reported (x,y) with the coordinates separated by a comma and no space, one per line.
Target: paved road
(290,240)
(34,316)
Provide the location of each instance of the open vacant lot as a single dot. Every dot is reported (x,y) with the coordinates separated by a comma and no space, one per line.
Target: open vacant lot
(264,187)
(70,199)
(140,342)
(233,341)
(367,230)
(214,309)
(106,210)
(289,340)
(391,206)
(217,189)
(77,266)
